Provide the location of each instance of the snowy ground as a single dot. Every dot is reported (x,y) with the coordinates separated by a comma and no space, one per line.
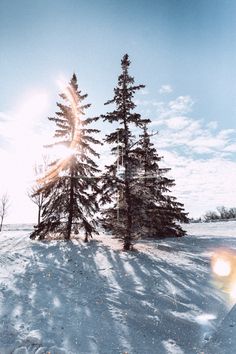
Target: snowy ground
(85,299)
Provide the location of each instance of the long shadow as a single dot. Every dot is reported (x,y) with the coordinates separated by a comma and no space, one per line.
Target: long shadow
(57,302)
(91,299)
(165,304)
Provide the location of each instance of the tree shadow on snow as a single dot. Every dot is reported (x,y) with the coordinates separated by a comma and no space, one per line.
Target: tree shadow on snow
(91,299)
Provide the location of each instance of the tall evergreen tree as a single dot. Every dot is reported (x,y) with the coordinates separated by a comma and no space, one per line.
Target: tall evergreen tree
(118,177)
(158,214)
(69,186)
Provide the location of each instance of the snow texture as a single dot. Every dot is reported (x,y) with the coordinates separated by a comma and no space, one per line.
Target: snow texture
(223,340)
(76,298)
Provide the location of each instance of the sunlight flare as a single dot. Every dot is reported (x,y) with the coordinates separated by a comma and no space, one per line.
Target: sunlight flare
(233,292)
(224,270)
(222,267)
(63,153)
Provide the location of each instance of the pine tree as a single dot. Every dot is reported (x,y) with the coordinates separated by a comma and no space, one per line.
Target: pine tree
(118,177)
(70,186)
(159,213)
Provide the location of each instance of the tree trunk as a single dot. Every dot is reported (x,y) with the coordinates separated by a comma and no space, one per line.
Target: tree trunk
(39,214)
(127,239)
(71,205)
(1,223)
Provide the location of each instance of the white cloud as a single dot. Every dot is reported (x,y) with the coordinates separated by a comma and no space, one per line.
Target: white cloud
(201,184)
(195,137)
(212,125)
(200,155)
(173,109)
(165,89)
(177,123)
(182,104)
(230,148)
(178,129)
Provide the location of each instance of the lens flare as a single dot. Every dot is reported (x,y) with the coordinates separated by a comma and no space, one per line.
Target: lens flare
(66,152)
(233,292)
(222,267)
(63,152)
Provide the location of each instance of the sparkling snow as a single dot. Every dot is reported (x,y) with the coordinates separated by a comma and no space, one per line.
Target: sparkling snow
(76,298)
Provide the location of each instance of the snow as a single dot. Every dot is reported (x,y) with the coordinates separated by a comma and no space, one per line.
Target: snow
(223,340)
(76,298)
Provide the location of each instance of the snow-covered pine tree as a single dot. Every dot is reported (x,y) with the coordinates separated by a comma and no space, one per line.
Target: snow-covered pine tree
(70,186)
(118,178)
(159,214)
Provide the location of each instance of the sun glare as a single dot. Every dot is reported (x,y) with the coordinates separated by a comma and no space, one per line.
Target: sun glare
(233,292)
(221,267)
(224,268)
(63,152)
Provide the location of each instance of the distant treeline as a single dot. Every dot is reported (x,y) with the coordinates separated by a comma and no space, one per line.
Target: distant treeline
(221,213)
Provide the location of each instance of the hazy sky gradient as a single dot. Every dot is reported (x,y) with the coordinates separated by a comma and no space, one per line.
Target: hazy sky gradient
(183,50)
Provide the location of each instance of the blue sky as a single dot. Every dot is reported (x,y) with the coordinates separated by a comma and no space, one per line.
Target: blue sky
(183,50)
